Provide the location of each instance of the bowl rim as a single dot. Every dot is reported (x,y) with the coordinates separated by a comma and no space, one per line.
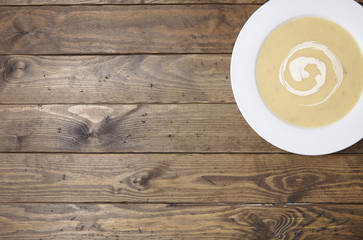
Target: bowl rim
(306,141)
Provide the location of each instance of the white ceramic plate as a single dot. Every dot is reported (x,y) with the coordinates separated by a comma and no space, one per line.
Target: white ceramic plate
(307,141)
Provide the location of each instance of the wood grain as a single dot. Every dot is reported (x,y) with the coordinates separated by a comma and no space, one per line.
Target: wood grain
(127,128)
(71,2)
(160,221)
(121,29)
(140,137)
(130,128)
(121,2)
(181,178)
(115,79)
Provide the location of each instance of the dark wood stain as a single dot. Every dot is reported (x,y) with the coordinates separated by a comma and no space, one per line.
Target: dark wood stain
(117,121)
(61,29)
(124,132)
(126,2)
(211,128)
(175,221)
(179,178)
(114,79)
(119,2)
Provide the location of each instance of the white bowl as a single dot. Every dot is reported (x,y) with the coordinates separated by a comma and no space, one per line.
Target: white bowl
(306,141)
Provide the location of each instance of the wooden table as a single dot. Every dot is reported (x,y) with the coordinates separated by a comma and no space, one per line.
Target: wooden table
(117,121)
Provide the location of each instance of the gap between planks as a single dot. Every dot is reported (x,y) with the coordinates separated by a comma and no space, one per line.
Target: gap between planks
(343,153)
(133,2)
(190,204)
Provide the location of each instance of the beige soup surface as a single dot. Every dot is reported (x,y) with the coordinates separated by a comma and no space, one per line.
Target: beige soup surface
(310,72)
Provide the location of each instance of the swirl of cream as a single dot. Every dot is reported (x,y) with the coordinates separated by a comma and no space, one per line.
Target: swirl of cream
(298,72)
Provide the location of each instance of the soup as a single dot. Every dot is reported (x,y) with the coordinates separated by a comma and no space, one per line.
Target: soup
(310,72)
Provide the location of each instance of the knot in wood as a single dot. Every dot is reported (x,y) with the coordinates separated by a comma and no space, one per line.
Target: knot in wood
(142,180)
(271,227)
(14,69)
(302,180)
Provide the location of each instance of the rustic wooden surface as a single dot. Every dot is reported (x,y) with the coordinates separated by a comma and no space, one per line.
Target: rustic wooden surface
(173,221)
(166,128)
(117,121)
(180,178)
(101,2)
(121,29)
(188,78)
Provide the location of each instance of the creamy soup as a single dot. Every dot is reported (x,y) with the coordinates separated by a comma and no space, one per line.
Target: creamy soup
(310,72)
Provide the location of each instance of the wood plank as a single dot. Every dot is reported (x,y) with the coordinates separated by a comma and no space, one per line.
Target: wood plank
(121,29)
(130,128)
(71,2)
(180,178)
(115,79)
(127,128)
(140,221)
(121,2)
